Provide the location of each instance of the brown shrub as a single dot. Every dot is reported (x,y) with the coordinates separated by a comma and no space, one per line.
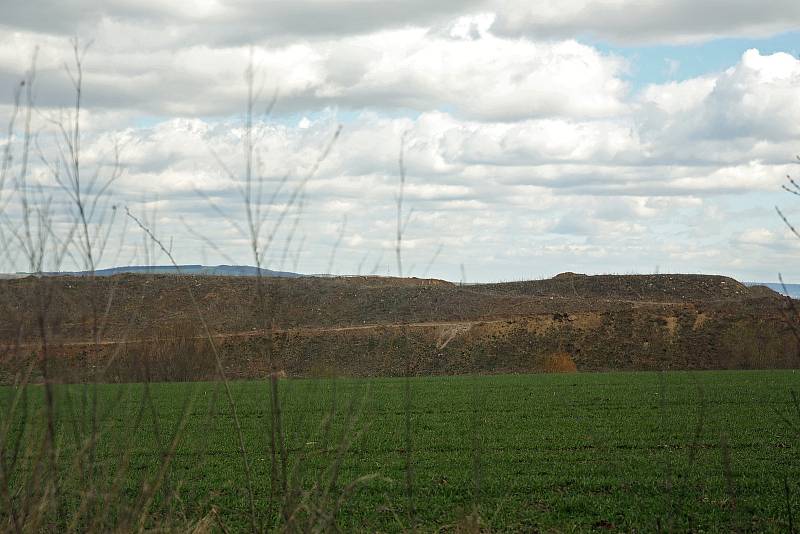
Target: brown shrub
(559,362)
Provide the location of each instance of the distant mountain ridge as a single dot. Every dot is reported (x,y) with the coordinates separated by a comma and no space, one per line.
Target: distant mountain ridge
(197,270)
(791,290)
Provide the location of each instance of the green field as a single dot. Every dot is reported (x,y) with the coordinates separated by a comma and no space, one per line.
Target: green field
(708,451)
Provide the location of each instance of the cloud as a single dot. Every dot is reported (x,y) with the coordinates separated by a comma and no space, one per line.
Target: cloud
(233,22)
(646,21)
(756,98)
(570,201)
(744,117)
(479,76)
(527,152)
(460,66)
(757,236)
(486,78)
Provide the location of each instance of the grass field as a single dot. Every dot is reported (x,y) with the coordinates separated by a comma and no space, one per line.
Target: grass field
(708,450)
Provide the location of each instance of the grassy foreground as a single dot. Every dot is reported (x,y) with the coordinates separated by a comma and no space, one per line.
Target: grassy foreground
(713,451)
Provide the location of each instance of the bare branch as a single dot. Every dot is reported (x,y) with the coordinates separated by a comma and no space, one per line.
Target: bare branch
(336,245)
(218,359)
(433,260)
(398,248)
(787,223)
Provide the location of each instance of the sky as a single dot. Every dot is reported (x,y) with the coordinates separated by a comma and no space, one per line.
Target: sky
(592,136)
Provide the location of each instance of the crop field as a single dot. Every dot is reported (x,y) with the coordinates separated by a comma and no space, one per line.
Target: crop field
(713,451)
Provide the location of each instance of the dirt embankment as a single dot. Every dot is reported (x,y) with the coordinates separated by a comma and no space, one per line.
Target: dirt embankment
(368,326)
(639,287)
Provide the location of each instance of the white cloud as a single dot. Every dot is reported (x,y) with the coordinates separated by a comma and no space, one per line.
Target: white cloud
(467,205)
(757,98)
(744,117)
(757,236)
(486,78)
(525,148)
(675,97)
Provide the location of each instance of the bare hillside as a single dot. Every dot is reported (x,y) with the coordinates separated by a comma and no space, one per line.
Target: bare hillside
(371,325)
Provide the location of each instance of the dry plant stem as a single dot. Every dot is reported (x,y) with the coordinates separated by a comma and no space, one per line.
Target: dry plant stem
(37,232)
(786,221)
(20,396)
(335,248)
(669,481)
(407,400)
(433,260)
(398,246)
(408,407)
(293,501)
(88,496)
(788,496)
(5,165)
(256,219)
(149,495)
(318,502)
(50,443)
(792,322)
(105,505)
(292,232)
(698,430)
(33,239)
(793,187)
(477,467)
(255,223)
(298,252)
(278,429)
(220,370)
(87,196)
(730,485)
(298,190)
(361,263)
(348,436)
(32,247)
(89,491)
(21,387)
